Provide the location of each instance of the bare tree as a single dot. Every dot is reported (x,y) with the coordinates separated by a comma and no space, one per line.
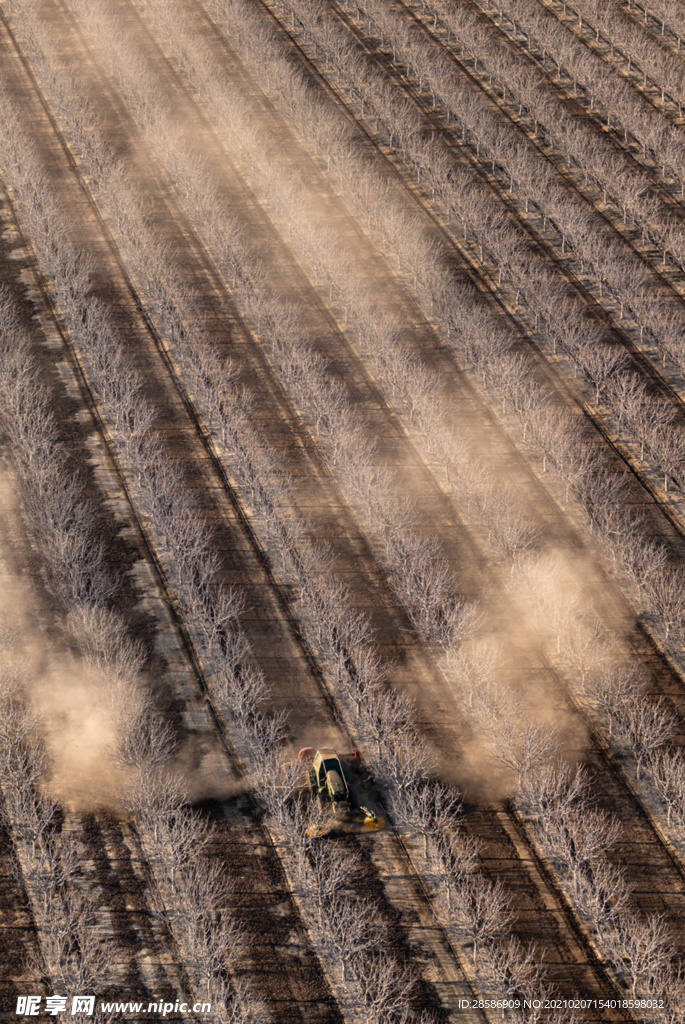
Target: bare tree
(422,578)
(210,937)
(183,835)
(667,772)
(103,639)
(602,893)
(611,688)
(351,933)
(585,645)
(429,810)
(480,912)
(155,797)
(644,950)
(327,875)
(666,444)
(72,952)
(644,726)
(388,715)
(146,743)
(520,744)
(554,788)
(405,763)
(515,969)
(582,836)
(454,858)
(666,592)
(515,534)
(576,836)
(387,986)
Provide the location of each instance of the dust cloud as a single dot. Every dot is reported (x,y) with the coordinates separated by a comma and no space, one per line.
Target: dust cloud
(79,737)
(81,713)
(66,693)
(67,702)
(563,624)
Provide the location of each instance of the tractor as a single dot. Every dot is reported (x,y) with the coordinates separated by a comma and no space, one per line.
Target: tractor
(329,778)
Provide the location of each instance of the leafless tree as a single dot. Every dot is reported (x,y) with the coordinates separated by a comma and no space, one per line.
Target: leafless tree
(644,726)
(351,933)
(576,836)
(428,811)
(104,640)
(405,762)
(580,837)
(643,948)
(515,969)
(211,938)
(146,743)
(515,741)
(422,578)
(666,770)
(454,857)
(666,444)
(667,597)
(182,836)
(387,986)
(583,642)
(327,875)
(480,912)
(602,893)
(155,797)
(554,788)
(388,715)
(515,534)
(71,953)
(612,688)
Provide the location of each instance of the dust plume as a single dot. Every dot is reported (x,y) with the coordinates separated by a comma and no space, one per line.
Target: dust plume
(79,731)
(65,696)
